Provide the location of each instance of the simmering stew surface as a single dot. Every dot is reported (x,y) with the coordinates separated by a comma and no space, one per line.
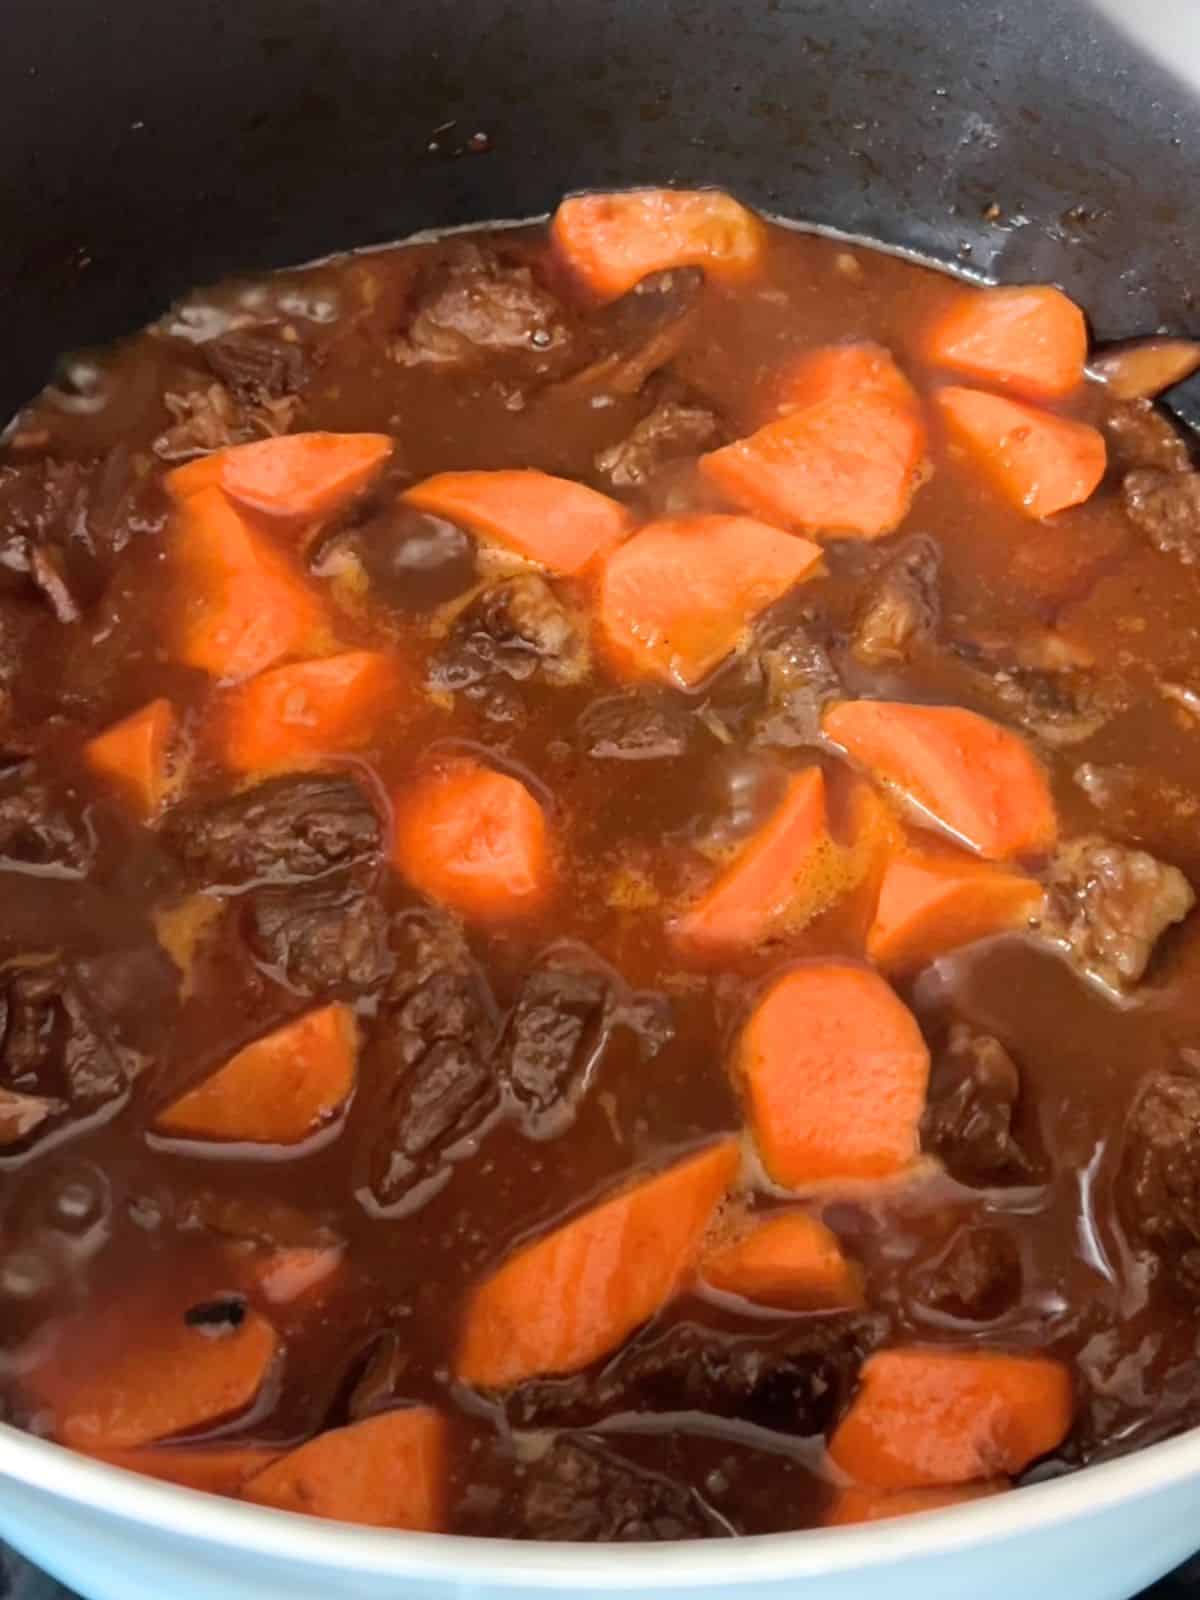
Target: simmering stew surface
(596,827)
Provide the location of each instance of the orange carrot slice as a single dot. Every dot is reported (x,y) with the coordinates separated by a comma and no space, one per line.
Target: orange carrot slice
(677,598)
(837,371)
(388,1471)
(834,1070)
(934,1417)
(975,778)
(134,753)
(929,904)
(240,608)
(298,714)
(307,475)
(215,1469)
(278,1090)
(1030,339)
(576,1293)
(788,872)
(1039,462)
(790,1260)
(878,1505)
(564,526)
(475,840)
(612,241)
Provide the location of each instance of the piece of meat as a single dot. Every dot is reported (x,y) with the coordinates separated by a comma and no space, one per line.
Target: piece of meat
(1161,1172)
(1043,684)
(975,1278)
(321,941)
(1165,506)
(974,1086)
(902,605)
(798,681)
(581,1491)
(1107,906)
(477,307)
(286,828)
(633,727)
(44,827)
(514,632)
(377,1386)
(23,1114)
(643,332)
(211,417)
(670,431)
(1140,435)
(258,365)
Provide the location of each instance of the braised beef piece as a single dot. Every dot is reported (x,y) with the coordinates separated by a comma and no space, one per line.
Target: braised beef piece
(976,1278)
(257,365)
(414,561)
(515,630)
(1140,435)
(974,1086)
(380,1376)
(633,727)
(478,307)
(1108,905)
(1130,1395)
(1042,682)
(23,1114)
(1160,1173)
(320,940)
(668,432)
(902,605)
(211,417)
(285,828)
(643,331)
(43,826)
(1165,506)
(798,681)
(579,1490)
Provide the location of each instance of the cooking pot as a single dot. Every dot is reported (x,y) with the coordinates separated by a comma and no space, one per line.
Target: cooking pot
(145,148)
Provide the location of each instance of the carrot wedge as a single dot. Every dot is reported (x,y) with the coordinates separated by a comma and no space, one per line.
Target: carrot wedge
(789,872)
(846,457)
(278,1090)
(1039,462)
(387,1471)
(302,475)
(925,1418)
(855,1505)
(133,754)
(612,241)
(215,1469)
(239,607)
(476,840)
(977,779)
(834,1071)
(576,1293)
(561,525)
(677,598)
(1031,339)
(791,1260)
(929,904)
(299,713)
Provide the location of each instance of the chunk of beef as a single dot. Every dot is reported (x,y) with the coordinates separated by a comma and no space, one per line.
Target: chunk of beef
(1140,435)
(901,607)
(976,1278)
(23,1114)
(643,331)
(477,307)
(413,560)
(799,679)
(286,828)
(377,1386)
(579,1490)
(320,940)
(670,431)
(974,1086)
(211,417)
(43,828)
(1165,506)
(514,631)
(633,727)
(1107,906)
(257,365)
(1161,1172)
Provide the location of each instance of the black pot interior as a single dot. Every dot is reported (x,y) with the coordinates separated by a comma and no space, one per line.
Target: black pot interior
(150,147)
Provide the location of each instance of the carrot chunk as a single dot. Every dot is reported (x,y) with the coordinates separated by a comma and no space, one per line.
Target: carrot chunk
(387,1471)
(929,904)
(111,1391)
(575,1294)
(877,1505)
(241,609)
(612,241)
(975,778)
(279,1089)
(834,1070)
(215,1469)
(299,713)
(923,1418)
(790,1260)
(559,524)
(678,596)
(846,457)
(1030,339)
(1039,462)
(789,871)
(307,475)
(134,754)
(476,840)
